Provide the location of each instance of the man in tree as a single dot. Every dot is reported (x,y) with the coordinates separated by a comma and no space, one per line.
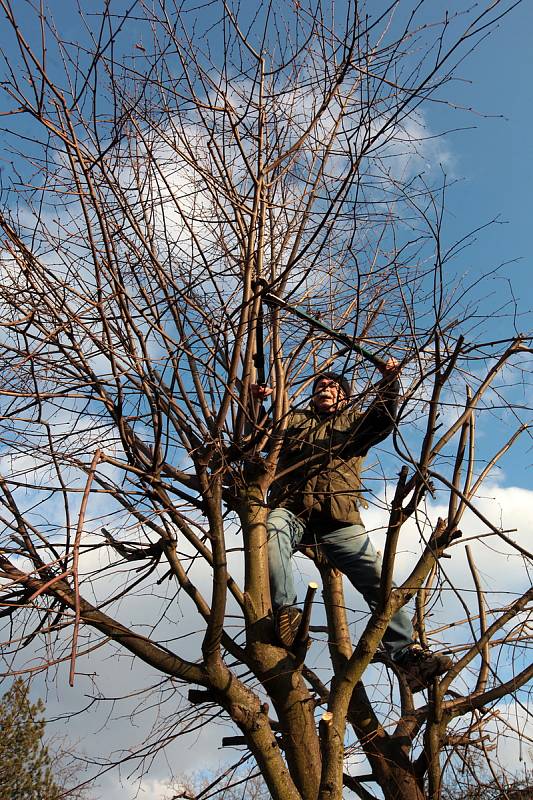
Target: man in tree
(315,500)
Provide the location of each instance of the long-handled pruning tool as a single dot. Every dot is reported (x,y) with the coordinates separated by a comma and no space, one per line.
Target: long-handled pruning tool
(277,302)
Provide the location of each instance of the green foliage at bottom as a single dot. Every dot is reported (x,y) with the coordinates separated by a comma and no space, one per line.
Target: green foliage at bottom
(26,771)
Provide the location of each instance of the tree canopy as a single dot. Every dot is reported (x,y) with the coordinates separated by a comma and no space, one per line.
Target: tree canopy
(181,178)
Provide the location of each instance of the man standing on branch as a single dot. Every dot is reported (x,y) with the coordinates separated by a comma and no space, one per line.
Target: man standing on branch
(315,499)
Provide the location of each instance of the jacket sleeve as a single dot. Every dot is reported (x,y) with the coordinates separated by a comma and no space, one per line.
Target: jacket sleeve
(378,420)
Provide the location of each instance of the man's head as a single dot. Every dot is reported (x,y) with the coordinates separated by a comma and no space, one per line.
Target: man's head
(330,392)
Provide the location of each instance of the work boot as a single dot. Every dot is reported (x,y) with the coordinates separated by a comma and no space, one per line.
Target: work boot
(420,666)
(286,624)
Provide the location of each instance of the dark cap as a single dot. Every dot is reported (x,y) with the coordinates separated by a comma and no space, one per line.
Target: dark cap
(333,376)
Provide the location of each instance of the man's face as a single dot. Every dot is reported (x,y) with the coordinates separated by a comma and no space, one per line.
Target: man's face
(328,396)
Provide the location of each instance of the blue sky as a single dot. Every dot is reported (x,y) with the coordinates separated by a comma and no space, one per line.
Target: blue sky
(491,162)
(494,160)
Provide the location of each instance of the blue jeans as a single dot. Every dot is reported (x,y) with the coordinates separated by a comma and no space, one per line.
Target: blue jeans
(347,549)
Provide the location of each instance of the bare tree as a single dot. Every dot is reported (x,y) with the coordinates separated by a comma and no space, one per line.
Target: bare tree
(230,784)
(173,170)
(472,783)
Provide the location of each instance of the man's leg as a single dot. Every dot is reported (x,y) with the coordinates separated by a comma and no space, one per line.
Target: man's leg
(351,551)
(285,532)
